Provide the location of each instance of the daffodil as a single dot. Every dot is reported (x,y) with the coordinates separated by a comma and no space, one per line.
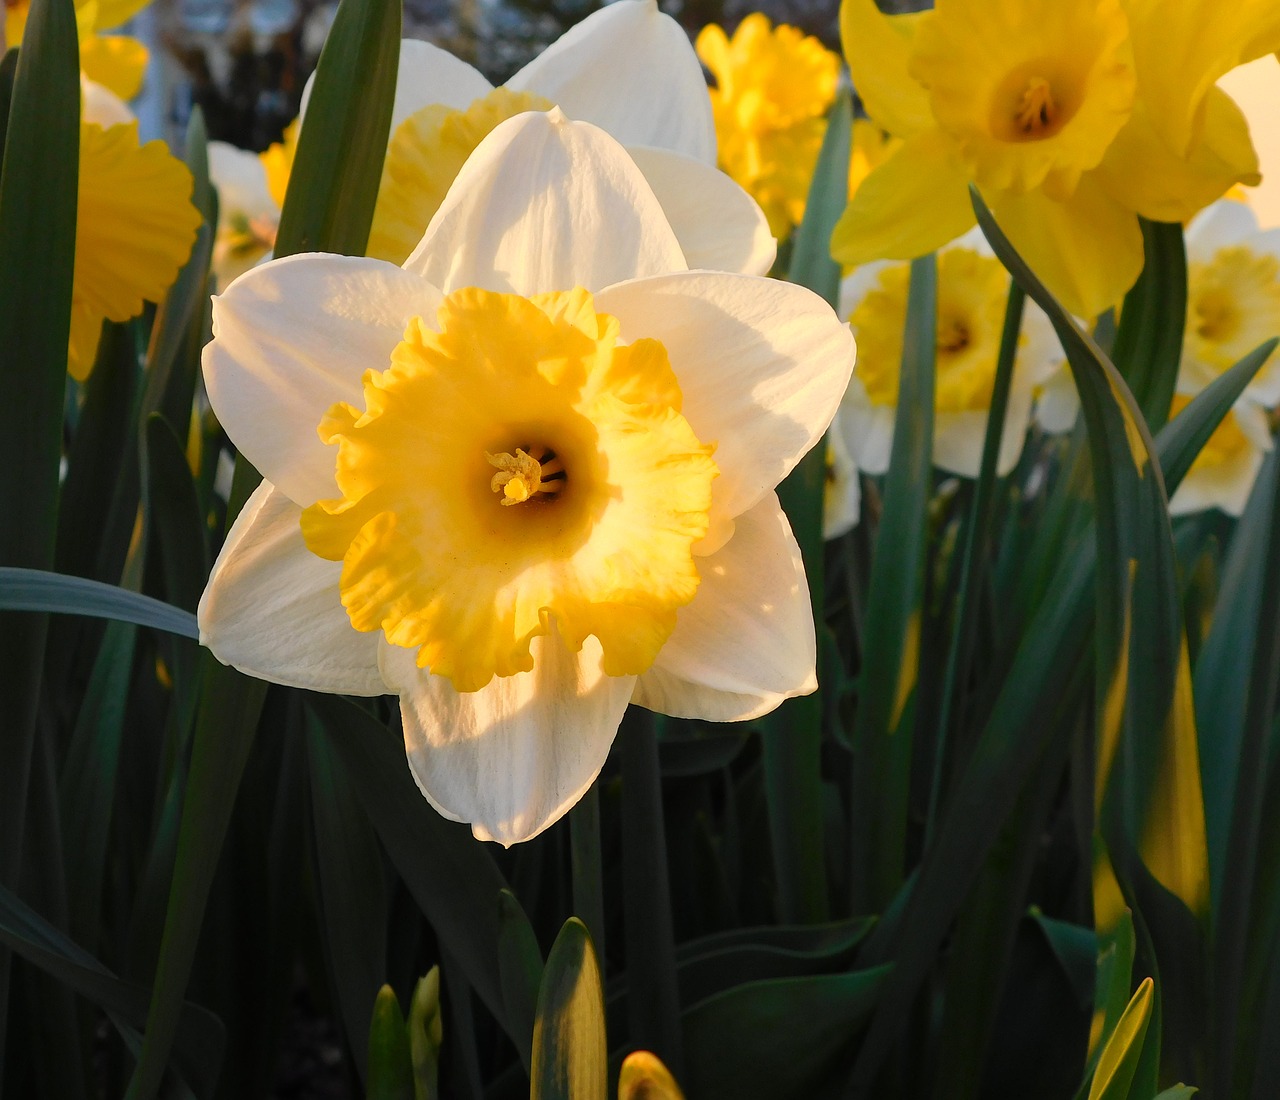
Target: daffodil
(773,88)
(135,224)
(1224,471)
(1233,298)
(973,290)
(628,69)
(116,61)
(1071,118)
(251,189)
(523,480)
(1256,88)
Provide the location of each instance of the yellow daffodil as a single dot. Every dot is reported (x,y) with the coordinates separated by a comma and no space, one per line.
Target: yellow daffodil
(1233,298)
(1256,88)
(523,480)
(135,225)
(973,289)
(251,189)
(1224,471)
(626,68)
(1071,118)
(115,61)
(773,88)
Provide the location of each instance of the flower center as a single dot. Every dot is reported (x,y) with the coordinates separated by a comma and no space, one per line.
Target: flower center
(971,300)
(1037,113)
(424,156)
(521,476)
(1227,442)
(1233,304)
(500,399)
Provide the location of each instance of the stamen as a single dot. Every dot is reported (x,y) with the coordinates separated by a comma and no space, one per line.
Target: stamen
(526,476)
(1037,111)
(953,335)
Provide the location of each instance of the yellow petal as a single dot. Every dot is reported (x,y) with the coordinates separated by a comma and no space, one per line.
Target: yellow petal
(424,157)
(1088,250)
(82,347)
(876,47)
(135,223)
(1181,50)
(915,202)
(111,13)
(1141,172)
(115,61)
(277,162)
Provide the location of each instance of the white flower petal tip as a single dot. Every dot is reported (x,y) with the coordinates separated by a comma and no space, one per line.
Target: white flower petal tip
(529,210)
(513,757)
(632,71)
(271,608)
(719,226)
(291,338)
(762,365)
(746,642)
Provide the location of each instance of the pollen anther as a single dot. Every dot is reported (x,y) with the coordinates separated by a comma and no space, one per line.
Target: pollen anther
(523,476)
(1037,112)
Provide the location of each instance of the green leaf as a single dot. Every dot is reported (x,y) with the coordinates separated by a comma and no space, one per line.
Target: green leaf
(390,1064)
(520,967)
(792,734)
(811,262)
(882,730)
(1151,790)
(793,1033)
(450,874)
(1120,1056)
(1178,1092)
(199,1034)
(570,1059)
(37,590)
(337,168)
(38,193)
(1148,344)
(352,888)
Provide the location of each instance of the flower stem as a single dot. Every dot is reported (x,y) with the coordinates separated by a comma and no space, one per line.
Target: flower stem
(588,873)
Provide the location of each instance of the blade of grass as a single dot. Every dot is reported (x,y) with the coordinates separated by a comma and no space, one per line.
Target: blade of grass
(882,730)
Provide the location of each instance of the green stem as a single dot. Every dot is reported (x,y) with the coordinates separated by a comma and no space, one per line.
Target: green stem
(588,866)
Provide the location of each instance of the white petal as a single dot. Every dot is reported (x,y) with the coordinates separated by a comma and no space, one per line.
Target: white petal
(1058,403)
(1225,486)
(241,182)
(859,283)
(513,757)
(427,74)
(719,226)
(958,437)
(102,106)
(546,204)
(272,609)
(1218,225)
(762,365)
(746,642)
(291,338)
(868,429)
(632,71)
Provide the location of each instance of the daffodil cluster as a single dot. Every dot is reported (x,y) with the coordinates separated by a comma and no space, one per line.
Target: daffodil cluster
(1071,119)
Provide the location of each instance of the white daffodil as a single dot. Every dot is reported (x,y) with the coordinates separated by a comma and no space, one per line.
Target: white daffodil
(1233,298)
(248,215)
(628,69)
(973,291)
(1223,473)
(523,480)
